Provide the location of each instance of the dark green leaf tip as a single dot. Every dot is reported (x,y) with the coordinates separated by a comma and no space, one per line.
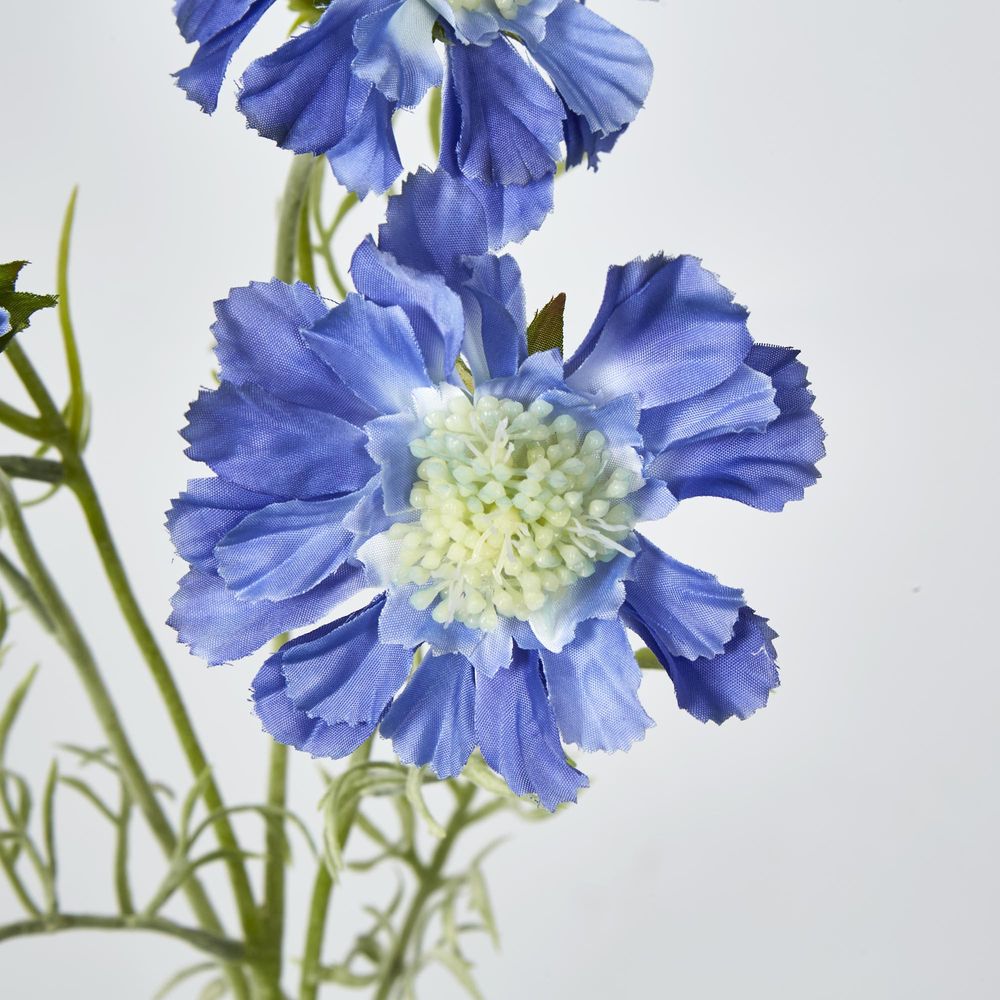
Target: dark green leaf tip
(545,332)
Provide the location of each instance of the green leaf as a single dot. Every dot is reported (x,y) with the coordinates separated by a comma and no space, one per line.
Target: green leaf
(81,787)
(647,660)
(545,333)
(459,968)
(415,796)
(214,990)
(12,708)
(479,902)
(20,306)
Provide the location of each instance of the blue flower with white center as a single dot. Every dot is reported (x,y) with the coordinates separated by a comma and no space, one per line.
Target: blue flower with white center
(405,440)
(521,78)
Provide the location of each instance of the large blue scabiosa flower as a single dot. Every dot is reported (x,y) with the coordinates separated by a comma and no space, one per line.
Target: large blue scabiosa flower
(521,77)
(406,440)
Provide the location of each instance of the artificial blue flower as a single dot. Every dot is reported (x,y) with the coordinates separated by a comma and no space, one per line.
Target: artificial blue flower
(4,321)
(521,78)
(405,440)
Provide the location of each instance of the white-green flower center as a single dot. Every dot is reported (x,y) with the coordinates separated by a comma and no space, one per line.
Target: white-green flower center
(508,8)
(514,508)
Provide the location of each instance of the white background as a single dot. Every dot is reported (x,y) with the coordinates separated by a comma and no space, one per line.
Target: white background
(837,164)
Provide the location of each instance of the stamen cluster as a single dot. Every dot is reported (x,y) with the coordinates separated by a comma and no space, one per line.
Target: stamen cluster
(514,508)
(508,8)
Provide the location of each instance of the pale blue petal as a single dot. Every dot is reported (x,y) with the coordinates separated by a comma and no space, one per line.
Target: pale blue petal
(219,627)
(594,689)
(372,349)
(343,674)
(517,733)
(691,614)
(432,722)
(396,51)
(667,330)
(495,343)
(260,442)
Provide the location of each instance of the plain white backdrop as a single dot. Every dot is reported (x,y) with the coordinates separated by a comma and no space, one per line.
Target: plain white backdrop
(836,164)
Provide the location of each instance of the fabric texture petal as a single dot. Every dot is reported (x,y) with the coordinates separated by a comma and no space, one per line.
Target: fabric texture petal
(518,737)
(593,685)
(432,722)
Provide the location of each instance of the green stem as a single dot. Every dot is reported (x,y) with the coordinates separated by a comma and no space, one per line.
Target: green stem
(273,911)
(41,470)
(76,405)
(319,906)
(221,947)
(290,214)
(71,639)
(430,881)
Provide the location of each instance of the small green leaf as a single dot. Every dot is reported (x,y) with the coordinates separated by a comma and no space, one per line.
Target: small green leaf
(415,796)
(545,333)
(17,308)
(181,977)
(647,660)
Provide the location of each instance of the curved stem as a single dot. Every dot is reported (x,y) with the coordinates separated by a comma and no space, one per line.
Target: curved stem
(221,947)
(430,880)
(319,905)
(75,407)
(290,215)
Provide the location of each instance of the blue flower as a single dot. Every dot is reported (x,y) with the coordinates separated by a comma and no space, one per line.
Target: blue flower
(521,78)
(4,321)
(405,440)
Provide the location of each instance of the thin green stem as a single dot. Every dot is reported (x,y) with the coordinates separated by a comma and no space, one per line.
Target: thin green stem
(77,403)
(213,944)
(304,250)
(290,214)
(71,639)
(319,905)
(430,881)
(21,422)
(273,910)
(40,470)
(327,233)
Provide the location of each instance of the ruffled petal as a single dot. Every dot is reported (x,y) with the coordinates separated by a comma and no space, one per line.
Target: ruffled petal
(258,441)
(366,159)
(219,627)
(736,683)
(258,339)
(343,674)
(514,211)
(206,511)
(287,548)
(689,612)
(298,95)
(517,733)
(594,689)
(202,79)
(288,724)
(432,722)
(434,309)
(510,126)
(601,72)
(200,20)
(396,51)
(495,342)
(582,143)
(372,349)
(744,402)
(766,469)
(667,330)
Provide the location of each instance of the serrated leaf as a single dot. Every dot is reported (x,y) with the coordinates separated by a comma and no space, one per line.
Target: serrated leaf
(17,308)
(545,332)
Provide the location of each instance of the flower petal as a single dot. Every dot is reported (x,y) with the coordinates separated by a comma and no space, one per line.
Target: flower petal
(396,51)
(495,343)
(434,310)
(767,469)
(509,126)
(200,20)
(293,727)
(581,142)
(258,441)
(737,682)
(204,512)
(219,627)
(202,79)
(372,349)
(666,330)
(287,548)
(342,673)
(432,722)
(258,339)
(517,733)
(593,686)
(601,72)
(689,612)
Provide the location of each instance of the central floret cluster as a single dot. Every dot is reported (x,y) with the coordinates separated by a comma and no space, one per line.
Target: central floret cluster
(514,508)
(508,8)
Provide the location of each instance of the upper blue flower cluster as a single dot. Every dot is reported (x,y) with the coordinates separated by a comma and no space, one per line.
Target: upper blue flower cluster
(333,88)
(406,440)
